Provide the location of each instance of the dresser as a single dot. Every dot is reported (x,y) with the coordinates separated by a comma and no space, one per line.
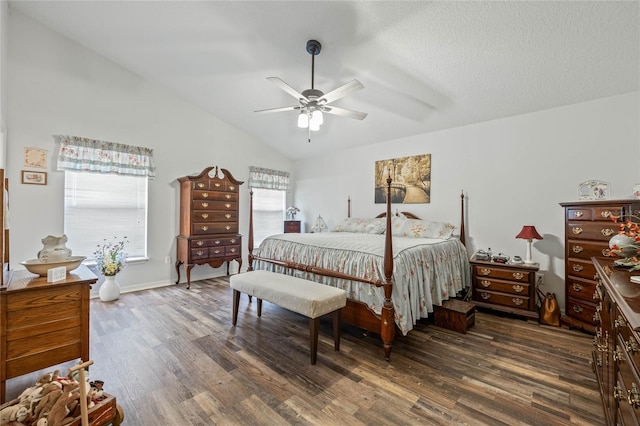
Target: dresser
(209,208)
(291,226)
(43,324)
(505,287)
(616,344)
(588,229)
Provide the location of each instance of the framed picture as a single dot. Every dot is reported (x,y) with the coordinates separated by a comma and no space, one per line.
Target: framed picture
(35,157)
(410,179)
(34,178)
(593,190)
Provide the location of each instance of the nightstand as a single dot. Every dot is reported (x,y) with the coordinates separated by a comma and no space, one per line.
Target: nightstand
(505,287)
(291,226)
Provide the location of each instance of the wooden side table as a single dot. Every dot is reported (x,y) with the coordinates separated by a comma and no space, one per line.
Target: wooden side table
(505,287)
(43,324)
(291,226)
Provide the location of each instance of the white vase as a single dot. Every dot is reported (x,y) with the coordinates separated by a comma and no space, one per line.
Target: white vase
(110,289)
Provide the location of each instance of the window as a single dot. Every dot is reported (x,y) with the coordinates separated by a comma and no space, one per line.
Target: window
(268,213)
(101,206)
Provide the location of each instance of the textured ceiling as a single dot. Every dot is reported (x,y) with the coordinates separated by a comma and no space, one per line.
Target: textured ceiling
(425,66)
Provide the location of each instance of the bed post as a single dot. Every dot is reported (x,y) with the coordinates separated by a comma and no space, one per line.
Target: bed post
(387,326)
(462,238)
(250,243)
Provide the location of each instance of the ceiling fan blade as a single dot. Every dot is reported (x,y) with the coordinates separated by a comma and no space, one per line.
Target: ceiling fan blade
(290,90)
(341,91)
(281,109)
(344,112)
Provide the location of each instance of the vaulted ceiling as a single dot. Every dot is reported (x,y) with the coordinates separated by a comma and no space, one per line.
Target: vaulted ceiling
(425,66)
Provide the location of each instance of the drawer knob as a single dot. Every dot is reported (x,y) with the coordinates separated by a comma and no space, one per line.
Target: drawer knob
(200,243)
(205,215)
(619,322)
(227,227)
(577,249)
(578,214)
(233,250)
(216,242)
(205,195)
(606,252)
(216,251)
(634,396)
(232,188)
(617,354)
(485,296)
(577,309)
(518,288)
(217,184)
(200,252)
(617,392)
(631,346)
(518,275)
(485,271)
(577,287)
(485,283)
(200,185)
(578,268)
(517,301)
(205,228)
(227,196)
(227,205)
(228,216)
(576,230)
(205,205)
(607,232)
(606,213)
(232,241)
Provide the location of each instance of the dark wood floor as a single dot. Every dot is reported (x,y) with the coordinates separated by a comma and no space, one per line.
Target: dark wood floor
(171,357)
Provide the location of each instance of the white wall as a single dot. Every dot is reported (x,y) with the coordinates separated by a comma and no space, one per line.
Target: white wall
(514,172)
(55,86)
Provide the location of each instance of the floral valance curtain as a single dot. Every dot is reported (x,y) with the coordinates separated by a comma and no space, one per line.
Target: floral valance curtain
(88,155)
(268,179)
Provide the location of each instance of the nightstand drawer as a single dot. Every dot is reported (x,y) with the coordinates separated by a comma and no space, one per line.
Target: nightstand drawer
(504,273)
(291,226)
(503,286)
(520,302)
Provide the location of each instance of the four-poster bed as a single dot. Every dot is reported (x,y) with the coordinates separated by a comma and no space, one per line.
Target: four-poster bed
(389,280)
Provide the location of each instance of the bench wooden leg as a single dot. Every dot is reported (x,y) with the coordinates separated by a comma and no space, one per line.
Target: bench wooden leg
(313,338)
(259,307)
(336,329)
(236,304)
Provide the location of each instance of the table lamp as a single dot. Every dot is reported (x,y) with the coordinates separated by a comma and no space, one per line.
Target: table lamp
(319,225)
(529,233)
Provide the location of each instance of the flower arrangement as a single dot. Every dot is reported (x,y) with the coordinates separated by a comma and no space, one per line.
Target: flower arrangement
(626,243)
(110,256)
(291,212)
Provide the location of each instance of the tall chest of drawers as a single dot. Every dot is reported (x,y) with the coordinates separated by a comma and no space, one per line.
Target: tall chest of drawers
(588,229)
(616,345)
(209,207)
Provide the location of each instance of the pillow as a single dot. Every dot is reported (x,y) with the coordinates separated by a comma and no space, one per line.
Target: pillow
(365,226)
(415,228)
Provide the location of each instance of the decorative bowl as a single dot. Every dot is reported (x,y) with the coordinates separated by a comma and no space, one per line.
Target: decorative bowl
(36,266)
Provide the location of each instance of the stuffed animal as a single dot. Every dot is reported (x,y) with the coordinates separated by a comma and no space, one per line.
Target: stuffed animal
(46,403)
(13,413)
(60,409)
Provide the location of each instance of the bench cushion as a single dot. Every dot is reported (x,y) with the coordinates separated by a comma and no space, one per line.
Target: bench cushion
(295,294)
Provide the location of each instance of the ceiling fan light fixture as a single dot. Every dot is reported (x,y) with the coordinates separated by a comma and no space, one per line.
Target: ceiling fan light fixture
(314,125)
(317,117)
(303,120)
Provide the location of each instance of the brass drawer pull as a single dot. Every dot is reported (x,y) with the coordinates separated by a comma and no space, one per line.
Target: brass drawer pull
(200,252)
(217,184)
(200,185)
(232,241)
(578,268)
(634,396)
(631,346)
(232,188)
(518,275)
(577,287)
(617,392)
(227,205)
(233,250)
(227,196)
(607,232)
(205,215)
(205,195)
(205,228)
(485,271)
(577,230)
(518,288)
(216,251)
(216,242)
(200,243)
(606,252)
(619,322)
(578,214)
(485,283)
(485,296)
(577,249)
(228,216)
(605,214)
(577,309)
(617,354)
(227,227)
(205,205)
(517,301)
(596,295)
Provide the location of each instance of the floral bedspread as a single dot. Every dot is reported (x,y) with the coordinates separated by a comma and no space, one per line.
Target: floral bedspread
(426,271)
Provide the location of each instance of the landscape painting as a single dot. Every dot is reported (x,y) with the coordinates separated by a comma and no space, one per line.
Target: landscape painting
(410,180)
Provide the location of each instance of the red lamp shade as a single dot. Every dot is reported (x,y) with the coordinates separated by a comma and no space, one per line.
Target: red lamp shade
(529,232)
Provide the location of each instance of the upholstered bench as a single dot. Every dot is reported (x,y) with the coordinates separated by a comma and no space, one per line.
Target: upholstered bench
(304,297)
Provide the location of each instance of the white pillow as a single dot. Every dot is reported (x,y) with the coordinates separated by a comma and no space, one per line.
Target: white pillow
(415,228)
(365,226)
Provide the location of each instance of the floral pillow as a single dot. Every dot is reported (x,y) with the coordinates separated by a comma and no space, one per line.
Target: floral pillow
(415,228)
(365,226)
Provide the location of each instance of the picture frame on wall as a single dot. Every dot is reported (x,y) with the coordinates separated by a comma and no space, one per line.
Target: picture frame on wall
(410,179)
(35,157)
(593,190)
(34,178)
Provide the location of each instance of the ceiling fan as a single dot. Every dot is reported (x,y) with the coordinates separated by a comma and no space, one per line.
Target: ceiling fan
(313,102)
